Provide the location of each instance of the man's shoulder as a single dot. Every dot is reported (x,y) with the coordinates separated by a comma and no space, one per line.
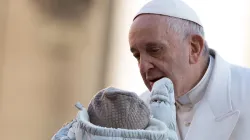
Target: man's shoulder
(240,74)
(240,87)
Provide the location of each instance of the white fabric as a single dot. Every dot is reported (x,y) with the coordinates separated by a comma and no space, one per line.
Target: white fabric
(161,127)
(223,113)
(84,130)
(173,8)
(187,104)
(196,93)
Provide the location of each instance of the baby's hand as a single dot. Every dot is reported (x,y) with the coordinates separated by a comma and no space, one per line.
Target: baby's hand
(162,103)
(163,91)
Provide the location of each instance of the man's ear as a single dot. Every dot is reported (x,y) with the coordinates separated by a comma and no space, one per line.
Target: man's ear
(197,45)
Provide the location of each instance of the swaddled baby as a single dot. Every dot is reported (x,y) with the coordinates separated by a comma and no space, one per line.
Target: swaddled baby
(118,114)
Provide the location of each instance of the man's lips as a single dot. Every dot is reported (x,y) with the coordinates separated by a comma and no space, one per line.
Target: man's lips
(151,82)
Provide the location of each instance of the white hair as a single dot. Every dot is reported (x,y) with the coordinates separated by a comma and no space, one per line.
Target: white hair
(184,28)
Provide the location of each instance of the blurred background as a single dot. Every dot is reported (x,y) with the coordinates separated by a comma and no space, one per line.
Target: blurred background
(54,53)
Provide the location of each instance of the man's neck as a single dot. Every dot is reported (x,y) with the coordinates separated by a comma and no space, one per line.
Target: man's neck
(196,74)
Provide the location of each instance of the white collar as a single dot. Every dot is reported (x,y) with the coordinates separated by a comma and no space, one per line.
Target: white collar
(196,93)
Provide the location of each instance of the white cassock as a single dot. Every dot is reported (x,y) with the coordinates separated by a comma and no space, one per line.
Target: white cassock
(218,108)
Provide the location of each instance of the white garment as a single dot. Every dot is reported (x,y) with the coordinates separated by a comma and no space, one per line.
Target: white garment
(223,113)
(188,103)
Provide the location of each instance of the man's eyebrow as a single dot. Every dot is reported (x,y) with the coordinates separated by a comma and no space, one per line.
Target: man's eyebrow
(149,44)
(152,44)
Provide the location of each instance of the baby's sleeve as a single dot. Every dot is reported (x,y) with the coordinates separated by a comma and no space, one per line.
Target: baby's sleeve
(69,131)
(62,134)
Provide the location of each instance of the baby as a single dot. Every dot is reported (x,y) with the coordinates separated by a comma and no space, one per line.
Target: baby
(118,114)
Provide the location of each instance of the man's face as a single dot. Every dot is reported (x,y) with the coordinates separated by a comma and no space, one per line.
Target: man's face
(160,52)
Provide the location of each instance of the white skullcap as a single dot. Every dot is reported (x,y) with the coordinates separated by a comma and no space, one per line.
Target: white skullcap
(173,8)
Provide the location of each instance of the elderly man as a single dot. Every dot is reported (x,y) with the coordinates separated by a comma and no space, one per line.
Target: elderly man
(212,96)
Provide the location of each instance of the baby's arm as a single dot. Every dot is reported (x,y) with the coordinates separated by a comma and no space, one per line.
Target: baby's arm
(68,131)
(62,134)
(162,103)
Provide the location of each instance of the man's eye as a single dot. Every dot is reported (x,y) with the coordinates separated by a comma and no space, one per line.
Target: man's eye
(155,50)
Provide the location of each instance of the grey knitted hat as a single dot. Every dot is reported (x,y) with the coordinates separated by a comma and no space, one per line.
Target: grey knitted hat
(115,108)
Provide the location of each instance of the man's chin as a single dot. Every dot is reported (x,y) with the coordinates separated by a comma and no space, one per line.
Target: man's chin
(150,87)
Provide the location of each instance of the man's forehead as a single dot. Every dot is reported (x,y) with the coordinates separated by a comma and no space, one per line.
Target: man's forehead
(147,27)
(148,21)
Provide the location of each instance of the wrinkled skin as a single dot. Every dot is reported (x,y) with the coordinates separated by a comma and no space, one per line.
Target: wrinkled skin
(161,52)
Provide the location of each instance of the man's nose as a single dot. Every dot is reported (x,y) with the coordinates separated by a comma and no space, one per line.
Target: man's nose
(145,65)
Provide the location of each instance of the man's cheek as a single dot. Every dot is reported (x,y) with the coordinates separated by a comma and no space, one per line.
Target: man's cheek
(162,66)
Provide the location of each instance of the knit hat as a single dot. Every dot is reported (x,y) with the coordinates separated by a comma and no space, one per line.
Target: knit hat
(115,108)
